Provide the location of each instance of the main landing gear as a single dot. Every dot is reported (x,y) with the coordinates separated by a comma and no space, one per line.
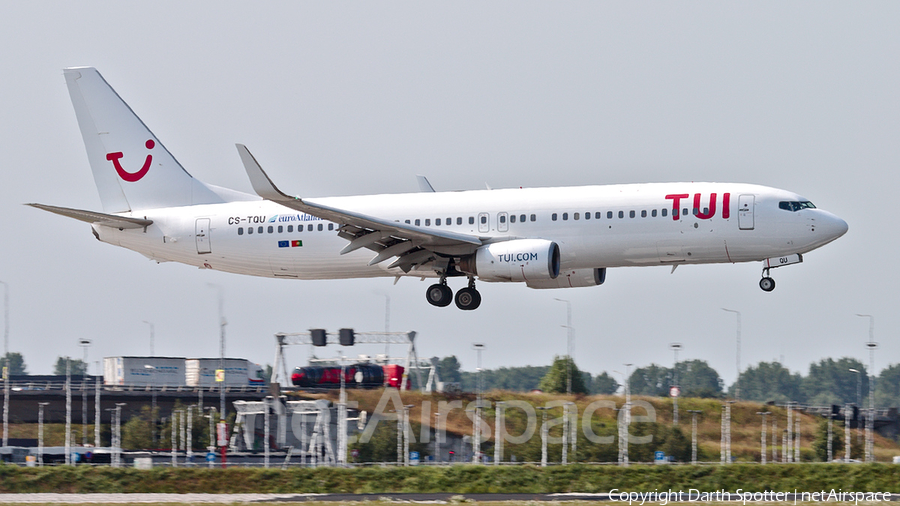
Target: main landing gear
(440,295)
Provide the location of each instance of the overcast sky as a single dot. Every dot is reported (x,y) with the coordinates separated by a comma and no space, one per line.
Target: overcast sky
(354,98)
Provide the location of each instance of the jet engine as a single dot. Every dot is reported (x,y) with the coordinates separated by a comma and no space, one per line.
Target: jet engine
(571,279)
(516,260)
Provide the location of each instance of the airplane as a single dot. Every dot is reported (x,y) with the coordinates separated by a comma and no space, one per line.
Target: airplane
(546,238)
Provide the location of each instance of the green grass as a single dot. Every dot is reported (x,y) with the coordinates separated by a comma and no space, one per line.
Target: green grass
(461,479)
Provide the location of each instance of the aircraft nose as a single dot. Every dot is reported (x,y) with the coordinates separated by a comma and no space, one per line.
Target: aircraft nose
(834,227)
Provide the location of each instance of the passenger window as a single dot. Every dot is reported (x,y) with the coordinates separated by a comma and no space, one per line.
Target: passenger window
(406,221)
(522,218)
(260,230)
(418,222)
(597,215)
(484,220)
(696,211)
(240,230)
(271,229)
(553,216)
(331,226)
(664,212)
(291,228)
(565,216)
(309,227)
(459,221)
(576,216)
(684,211)
(320,227)
(587,216)
(449,221)
(280,229)
(512,218)
(437,222)
(533,217)
(653,213)
(631,214)
(427,222)
(250,230)
(502,218)
(643,213)
(471,220)
(621,214)
(706,210)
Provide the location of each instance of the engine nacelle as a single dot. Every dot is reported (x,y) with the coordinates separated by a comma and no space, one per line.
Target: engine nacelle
(516,260)
(571,279)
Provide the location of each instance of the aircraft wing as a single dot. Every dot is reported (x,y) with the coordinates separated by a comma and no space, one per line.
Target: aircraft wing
(414,246)
(93,217)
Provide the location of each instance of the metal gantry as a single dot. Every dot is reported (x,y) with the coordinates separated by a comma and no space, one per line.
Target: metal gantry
(280,371)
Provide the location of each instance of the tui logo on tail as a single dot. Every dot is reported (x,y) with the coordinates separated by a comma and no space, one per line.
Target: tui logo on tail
(132,177)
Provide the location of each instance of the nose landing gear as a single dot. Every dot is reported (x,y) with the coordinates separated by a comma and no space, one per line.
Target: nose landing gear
(767,283)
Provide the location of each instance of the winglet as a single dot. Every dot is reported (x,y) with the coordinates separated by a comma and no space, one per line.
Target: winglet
(262,185)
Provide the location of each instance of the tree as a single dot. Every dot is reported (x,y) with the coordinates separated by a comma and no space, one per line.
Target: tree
(448,369)
(831,382)
(887,388)
(604,384)
(16,363)
(557,378)
(650,380)
(697,379)
(769,381)
(77,367)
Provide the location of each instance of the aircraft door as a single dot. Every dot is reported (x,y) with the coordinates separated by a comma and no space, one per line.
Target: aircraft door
(201,233)
(746,203)
(484,222)
(502,222)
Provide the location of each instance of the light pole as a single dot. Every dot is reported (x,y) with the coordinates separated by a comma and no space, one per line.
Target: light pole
(118,448)
(870,419)
(499,431)
(858,398)
(762,436)
(84,343)
(152,369)
(675,390)
(437,438)
(544,433)
(222,323)
(625,417)
(847,412)
(41,432)
(694,413)
(830,435)
(570,338)
(476,441)
(737,382)
(151,337)
(6,371)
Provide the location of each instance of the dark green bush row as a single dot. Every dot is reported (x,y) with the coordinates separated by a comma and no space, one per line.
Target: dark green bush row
(456,479)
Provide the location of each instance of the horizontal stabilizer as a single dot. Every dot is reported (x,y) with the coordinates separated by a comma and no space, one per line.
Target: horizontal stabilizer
(107,220)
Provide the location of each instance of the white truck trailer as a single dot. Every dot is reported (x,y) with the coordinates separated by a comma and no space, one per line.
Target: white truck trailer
(201,372)
(144,371)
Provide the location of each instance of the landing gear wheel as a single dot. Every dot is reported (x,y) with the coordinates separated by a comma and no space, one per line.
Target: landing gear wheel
(767,284)
(439,295)
(468,299)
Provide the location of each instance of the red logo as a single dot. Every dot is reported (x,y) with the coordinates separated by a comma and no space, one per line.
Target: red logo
(131,177)
(676,205)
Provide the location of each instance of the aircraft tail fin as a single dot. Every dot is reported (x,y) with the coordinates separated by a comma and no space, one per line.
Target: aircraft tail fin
(132,169)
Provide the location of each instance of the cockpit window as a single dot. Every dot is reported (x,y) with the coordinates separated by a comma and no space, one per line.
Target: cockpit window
(795,206)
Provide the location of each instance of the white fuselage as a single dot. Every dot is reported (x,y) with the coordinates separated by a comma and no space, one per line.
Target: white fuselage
(594,226)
